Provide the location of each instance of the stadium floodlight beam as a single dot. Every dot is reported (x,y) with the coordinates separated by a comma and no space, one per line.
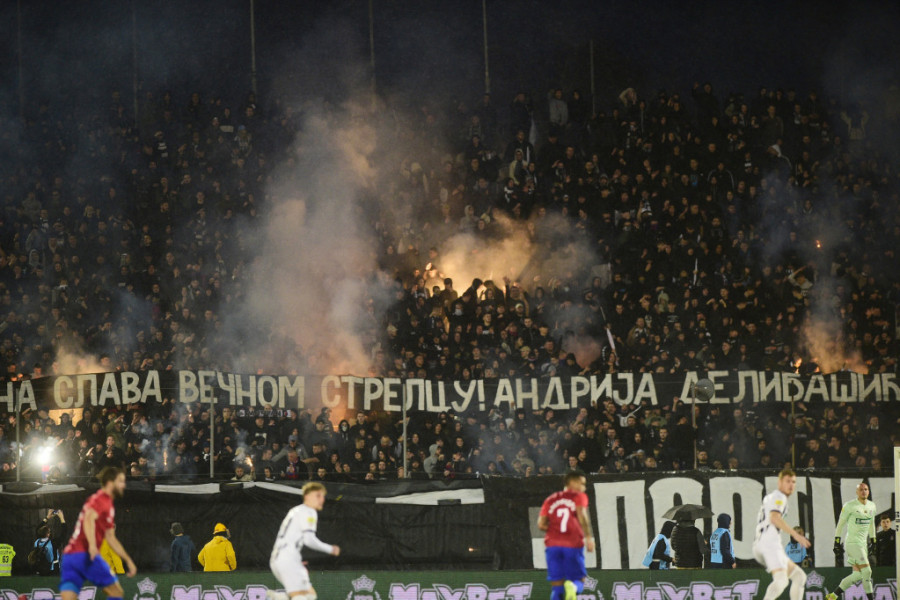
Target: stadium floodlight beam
(45,455)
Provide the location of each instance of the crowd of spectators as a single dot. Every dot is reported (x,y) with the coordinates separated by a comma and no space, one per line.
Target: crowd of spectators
(173,442)
(726,232)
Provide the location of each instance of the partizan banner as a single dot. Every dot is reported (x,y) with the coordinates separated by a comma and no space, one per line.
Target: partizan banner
(627,510)
(293,392)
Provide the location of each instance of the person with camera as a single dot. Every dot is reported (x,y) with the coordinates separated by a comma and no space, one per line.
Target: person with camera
(55,522)
(40,559)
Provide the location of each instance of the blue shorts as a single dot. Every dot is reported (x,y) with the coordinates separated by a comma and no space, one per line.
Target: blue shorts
(565,564)
(77,567)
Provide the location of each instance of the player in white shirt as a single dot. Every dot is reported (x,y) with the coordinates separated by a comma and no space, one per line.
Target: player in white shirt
(298,531)
(767,547)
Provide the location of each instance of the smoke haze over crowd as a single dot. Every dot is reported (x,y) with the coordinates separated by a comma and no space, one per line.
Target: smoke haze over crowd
(719,195)
(315,287)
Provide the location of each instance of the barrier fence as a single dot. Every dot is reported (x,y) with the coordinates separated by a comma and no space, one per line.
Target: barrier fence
(739,584)
(475,524)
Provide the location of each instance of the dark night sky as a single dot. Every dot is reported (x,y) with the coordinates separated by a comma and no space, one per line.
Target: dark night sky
(73,50)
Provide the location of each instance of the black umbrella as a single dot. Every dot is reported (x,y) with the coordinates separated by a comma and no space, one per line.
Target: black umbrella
(687,512)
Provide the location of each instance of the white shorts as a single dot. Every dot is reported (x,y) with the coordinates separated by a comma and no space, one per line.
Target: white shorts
(291,573)
(770,554)
(856,554)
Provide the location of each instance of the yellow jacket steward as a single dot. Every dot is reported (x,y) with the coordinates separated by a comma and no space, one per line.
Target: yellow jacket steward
(218,555)
(6,557)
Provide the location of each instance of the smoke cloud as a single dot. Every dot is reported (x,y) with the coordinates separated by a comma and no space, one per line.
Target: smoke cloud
(315,284)
(316,294)
(531,252)
(314,274)
(310,294)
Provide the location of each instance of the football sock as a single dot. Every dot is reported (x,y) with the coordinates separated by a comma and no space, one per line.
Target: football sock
(866,573)
(850,579)
(779,582)
(558,593)
(579,586)
(798,584)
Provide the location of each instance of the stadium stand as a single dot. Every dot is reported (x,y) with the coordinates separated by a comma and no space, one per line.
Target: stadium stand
(708,217)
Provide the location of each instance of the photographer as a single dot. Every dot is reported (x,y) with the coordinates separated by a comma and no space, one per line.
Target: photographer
(40,559)
(55,522)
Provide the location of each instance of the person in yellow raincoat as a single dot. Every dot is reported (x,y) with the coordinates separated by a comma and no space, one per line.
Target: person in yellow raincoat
(218,553)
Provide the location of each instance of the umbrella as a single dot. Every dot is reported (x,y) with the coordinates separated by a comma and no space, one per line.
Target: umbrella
(704,390)
(687,512)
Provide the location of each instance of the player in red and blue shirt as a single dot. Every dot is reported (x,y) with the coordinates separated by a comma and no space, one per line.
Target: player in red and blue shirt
(81,560)
(565,518)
